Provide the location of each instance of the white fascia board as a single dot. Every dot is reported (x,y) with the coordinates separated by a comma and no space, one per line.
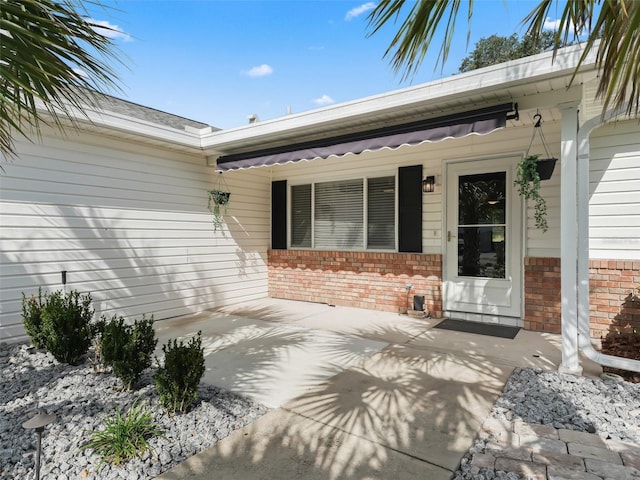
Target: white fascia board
(144,128)
(475,83)
(134,126)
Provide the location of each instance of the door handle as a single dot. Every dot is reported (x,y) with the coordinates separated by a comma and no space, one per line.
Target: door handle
(449,236)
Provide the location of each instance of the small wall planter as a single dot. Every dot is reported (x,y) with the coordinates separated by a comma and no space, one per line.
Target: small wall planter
(218,199)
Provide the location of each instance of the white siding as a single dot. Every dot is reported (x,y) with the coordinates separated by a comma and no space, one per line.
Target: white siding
(614,186)
(508,141)
(130,225)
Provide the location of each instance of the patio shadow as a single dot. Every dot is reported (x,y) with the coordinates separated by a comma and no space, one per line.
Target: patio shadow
(403,413)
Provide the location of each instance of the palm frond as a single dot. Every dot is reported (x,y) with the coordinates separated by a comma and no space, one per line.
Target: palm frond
(618,55)
(413,39)
(615,33)
(51,56)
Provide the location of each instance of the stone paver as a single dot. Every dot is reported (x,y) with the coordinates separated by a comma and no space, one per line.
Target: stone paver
(559,459)
(572,436)
(483,460)
(528,429)
(545,453)
(596,453)
(539,444)
(500,450)
(555,472)
(611,470)
(524,469)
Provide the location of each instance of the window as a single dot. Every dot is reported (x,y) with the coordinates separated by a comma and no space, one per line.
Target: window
(347,214)
(301,212)
(481,225)
(338,215)
(381,213)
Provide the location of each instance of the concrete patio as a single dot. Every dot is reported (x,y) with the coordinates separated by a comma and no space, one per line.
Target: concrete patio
(356,393)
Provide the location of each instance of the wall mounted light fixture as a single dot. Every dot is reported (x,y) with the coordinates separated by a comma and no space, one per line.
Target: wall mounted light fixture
(429,184)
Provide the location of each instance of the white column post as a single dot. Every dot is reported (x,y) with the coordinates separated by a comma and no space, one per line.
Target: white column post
(569,239)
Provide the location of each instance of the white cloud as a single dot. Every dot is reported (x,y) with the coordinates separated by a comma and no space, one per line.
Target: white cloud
(550,24)
(324,100)
(357,11)
(109,30)
(259,71)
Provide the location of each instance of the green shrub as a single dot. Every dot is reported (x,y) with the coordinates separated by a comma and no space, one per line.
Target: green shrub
(32,318)
(128,348)
(124,437)
(177,381)
(66,325)
(97,329)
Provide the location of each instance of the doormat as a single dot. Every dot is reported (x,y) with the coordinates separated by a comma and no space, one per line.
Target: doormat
(489,329)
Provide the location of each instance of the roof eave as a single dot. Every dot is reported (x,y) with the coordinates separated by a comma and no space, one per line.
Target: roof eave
(124,126)
(475,83)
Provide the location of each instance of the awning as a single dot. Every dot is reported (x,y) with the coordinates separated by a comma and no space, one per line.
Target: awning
(476,122)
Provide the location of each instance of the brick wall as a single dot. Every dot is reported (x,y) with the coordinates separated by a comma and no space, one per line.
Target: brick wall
(613,296)
(542,294)
(357,279)
(378,280)
(613,300)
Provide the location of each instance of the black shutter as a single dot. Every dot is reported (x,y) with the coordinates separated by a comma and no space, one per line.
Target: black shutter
(410,209)
(279,215)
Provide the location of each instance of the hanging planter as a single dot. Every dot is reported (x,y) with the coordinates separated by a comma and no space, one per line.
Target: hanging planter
(528,184)
(545,167)
(218,201)
(530,171)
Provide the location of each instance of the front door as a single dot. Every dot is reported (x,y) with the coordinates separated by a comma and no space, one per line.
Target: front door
(483,261)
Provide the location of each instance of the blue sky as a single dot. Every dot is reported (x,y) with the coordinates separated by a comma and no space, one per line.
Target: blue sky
(220,61)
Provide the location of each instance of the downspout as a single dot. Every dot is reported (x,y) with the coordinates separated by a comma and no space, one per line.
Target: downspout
(584,341)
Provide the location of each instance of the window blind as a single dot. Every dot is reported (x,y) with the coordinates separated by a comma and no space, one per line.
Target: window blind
(301,216)
(381,213)
(339,214)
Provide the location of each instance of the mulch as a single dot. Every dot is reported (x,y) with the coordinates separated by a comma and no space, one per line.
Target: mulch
(625,345)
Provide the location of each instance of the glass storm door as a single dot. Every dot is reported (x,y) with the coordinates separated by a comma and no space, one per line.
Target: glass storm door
(483,259)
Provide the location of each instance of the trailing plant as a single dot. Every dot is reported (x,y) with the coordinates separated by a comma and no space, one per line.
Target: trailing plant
(217,199)
(178,379)
(125,436)
(127,349)
(32,318)
(528,183)
(66,325)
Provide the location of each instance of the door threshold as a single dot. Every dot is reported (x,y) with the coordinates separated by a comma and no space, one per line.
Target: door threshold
(485,318)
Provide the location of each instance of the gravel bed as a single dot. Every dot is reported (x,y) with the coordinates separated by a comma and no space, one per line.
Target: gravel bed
(609,409)
(80,399)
